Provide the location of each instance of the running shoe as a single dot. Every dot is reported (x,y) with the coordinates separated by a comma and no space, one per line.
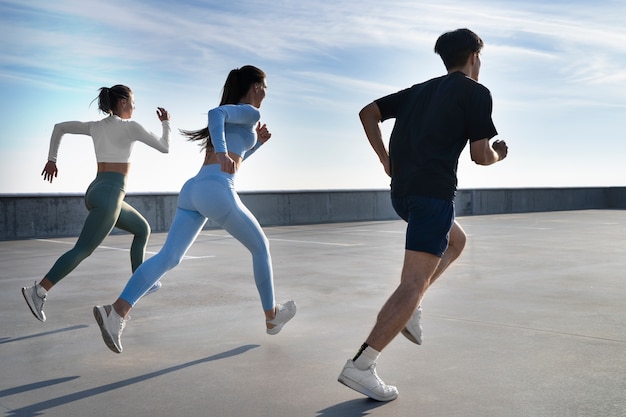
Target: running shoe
(111,326)
(284,313)
(413,329)
(367,382)
(35,301)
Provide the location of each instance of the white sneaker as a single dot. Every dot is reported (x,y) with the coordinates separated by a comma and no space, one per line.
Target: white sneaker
(156,287)
(413,329)
(284,313)
(111,326)
(35,301)
(367,382)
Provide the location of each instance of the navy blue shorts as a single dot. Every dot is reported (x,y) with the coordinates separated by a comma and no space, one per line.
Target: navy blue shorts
(429,222)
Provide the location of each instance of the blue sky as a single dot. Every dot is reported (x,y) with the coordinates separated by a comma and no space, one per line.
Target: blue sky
(556,70)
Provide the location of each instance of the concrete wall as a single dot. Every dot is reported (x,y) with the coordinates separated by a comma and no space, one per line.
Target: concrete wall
(32,216)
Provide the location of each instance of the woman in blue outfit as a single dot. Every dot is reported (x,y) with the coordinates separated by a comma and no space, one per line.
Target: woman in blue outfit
(228,140)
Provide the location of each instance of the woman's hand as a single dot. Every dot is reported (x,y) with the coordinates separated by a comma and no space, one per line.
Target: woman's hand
(226,162)
(50,171)
(162,114)
(262,134)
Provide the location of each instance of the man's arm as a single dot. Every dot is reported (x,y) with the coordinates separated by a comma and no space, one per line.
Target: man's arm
(485,153)
(370,119)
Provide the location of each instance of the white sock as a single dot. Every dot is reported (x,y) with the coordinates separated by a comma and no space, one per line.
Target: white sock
(368,356)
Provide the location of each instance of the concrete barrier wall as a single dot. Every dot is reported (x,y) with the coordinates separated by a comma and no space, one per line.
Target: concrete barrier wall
(33,216)
(521,200)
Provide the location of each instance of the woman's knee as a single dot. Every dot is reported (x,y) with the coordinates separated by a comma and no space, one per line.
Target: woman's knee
(141,229)
(161,263)
(260,247)
(265,243)
(145,230)
(82,251)
(172,262)
(247,231)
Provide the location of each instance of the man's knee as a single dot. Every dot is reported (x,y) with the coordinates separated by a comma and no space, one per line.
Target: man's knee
(418,267)
(458,238)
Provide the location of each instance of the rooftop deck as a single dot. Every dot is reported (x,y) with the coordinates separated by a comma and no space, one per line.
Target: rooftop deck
(530,321)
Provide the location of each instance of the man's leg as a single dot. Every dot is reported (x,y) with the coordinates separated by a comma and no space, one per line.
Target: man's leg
(360,373)
(417,271)
(430,222)
(457,239)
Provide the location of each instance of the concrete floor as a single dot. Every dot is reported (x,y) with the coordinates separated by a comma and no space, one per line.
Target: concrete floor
(530,321)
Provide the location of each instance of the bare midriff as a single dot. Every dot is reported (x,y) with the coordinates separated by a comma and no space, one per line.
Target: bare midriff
(120,167)
(211,158)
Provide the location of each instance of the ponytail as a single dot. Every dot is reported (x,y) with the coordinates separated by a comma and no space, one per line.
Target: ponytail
(201,135)
(104,101)
(108,98)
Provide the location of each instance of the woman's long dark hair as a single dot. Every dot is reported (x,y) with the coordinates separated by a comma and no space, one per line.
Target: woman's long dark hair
(109,97)
(236,86)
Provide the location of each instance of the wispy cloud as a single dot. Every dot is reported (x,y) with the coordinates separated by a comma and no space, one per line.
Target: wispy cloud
(187,36)
(186,40)
(326,56)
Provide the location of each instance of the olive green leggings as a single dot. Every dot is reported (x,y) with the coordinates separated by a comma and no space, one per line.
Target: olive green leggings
(107,209)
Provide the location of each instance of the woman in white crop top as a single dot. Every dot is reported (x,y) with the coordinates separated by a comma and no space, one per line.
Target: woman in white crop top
(233,133)
(113,139)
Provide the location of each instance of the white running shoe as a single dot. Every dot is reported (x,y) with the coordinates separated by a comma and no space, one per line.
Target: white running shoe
(284,313)
(367,382)
(413,329)
(35,301)
(111,326)
(156,287)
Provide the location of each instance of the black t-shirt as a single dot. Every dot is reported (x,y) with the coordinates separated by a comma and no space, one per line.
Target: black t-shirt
(434,121)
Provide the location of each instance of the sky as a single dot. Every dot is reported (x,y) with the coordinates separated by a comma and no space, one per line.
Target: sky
(556,71)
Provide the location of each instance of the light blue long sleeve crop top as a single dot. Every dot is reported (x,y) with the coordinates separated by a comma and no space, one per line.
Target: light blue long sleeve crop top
(232,128)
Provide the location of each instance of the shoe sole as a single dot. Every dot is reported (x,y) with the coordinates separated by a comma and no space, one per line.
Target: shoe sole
(32,307)
(361,389)
(108,340)
(276,329)
(406,333)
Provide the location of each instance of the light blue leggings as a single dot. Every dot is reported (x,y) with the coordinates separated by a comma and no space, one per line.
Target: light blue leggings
(208,195)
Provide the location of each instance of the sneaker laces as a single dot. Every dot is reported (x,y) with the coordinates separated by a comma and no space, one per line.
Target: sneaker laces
(373,369)
(121,322)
